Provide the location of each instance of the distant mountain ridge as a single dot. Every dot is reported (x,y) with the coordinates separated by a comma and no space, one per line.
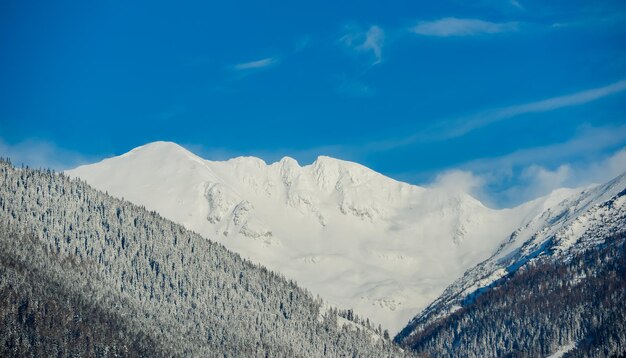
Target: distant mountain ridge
(357,238)
(579,241)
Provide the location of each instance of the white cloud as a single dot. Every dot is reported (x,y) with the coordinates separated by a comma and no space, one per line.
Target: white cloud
(459,181)
(537,181)
(452,26)
(589,142)
(374,39)
(594,156)
(599,172)
(534,180)
(516,4)
(519,185)
(41,154)
(370,41)
(258,64)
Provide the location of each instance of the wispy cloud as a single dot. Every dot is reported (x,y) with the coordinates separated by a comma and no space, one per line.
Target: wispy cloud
(608,20)
(370,41)
(452,26)
(242,70)
(499,187)
(302,43)
(537,180)
(516,4)
(594,155)
(456,180)
(42,154)
(374,39)
(589,142)
(257,64)
(461,126)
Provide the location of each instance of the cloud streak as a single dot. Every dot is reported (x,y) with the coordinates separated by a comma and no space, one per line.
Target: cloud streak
(466,125)
(258,64)
(459,127)
(374,39)
(370,41)
(589,142)
(452,26)
(42,154)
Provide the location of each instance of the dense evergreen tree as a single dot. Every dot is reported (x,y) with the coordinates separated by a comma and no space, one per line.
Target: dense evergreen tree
(84,274)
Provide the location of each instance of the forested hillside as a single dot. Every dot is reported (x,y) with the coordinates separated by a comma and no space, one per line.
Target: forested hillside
(82,273)
(545,305)
(557,284)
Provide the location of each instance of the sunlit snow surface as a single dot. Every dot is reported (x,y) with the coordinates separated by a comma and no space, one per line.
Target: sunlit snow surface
(560,352)
(355,237)
(572,221)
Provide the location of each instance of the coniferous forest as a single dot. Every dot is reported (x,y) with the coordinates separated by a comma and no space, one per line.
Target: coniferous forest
(84,274)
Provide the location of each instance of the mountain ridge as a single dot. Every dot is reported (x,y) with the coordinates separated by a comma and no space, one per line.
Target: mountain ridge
(359,239)
(580,223)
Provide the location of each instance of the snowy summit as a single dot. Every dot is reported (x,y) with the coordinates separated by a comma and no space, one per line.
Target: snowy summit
(355,237)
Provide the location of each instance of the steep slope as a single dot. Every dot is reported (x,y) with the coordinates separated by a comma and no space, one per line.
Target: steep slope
(574,307)
(84,274)
(43,315)
(345,232)
(579,245)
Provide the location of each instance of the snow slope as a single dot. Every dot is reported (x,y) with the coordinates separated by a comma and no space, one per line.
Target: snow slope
(355,237)
(581,220)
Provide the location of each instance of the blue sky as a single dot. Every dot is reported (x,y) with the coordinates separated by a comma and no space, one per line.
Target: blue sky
(506,99)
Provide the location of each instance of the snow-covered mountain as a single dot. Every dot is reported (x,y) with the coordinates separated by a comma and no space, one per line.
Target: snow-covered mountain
(355,237)
(569,228)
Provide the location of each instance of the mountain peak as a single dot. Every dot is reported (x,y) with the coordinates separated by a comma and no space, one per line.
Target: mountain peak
(164,151)
(289,161)
(159,146)
(308,220)
(248,161)
(326,160)
(160,151)
(327,164)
